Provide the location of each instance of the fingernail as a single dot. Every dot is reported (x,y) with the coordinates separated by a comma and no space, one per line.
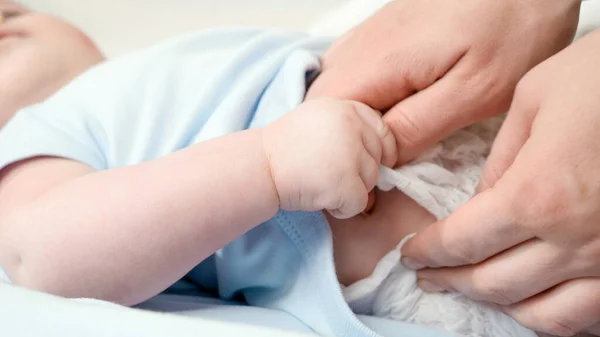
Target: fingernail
(411,264)
(429,287)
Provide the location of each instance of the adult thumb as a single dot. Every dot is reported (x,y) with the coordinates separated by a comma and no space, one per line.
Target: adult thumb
(511,138)
(430,115)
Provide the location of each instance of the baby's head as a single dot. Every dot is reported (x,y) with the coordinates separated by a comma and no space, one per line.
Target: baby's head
(38,55)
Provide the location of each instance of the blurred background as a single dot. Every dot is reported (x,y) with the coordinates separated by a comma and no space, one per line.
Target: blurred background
(119,26)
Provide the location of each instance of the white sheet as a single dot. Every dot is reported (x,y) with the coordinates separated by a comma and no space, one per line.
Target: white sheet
(26,313)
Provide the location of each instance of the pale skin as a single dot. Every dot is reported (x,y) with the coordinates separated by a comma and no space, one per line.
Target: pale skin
(25,193)
(463,89)
(361,241)
(106,221)
(438,65)
(544,218)
(39,54)
(32,189)
(108,210)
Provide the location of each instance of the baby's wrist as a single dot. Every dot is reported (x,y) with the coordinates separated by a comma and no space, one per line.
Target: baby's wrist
(274,198)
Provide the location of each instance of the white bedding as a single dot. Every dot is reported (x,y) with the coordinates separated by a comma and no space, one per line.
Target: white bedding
(25,313)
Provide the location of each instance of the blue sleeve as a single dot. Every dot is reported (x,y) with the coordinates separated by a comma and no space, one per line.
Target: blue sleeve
(154,102)
(27,135)
(287,264)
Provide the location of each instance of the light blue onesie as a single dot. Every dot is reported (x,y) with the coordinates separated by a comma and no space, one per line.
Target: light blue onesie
(154,102)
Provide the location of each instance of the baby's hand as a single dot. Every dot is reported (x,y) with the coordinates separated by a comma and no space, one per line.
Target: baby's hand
(326,154)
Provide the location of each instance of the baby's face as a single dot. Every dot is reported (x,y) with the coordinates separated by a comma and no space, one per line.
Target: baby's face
(38,55)
(360,242)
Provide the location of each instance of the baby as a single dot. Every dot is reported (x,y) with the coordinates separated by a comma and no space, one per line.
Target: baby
(39,54)
(199,158)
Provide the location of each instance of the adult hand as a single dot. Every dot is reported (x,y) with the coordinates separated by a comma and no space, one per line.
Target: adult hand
(530,240)
(448,62)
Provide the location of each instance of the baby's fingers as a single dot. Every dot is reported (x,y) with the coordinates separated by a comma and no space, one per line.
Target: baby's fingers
(353,200)
(377,136)
(369,171)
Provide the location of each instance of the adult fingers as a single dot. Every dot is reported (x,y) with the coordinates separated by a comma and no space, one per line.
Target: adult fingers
(454,101)
(565,310)
(393,66)
(513,134)
(507,277)
(476,231)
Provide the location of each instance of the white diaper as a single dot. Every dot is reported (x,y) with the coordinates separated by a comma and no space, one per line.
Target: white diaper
(440,181)
(445,177)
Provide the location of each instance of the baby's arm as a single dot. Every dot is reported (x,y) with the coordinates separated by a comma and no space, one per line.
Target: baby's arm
(126,234)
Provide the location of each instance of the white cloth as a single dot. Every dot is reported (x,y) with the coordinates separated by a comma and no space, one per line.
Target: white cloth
(27,313)
(445,177)
(392,292)
(439,187)
(440,181)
